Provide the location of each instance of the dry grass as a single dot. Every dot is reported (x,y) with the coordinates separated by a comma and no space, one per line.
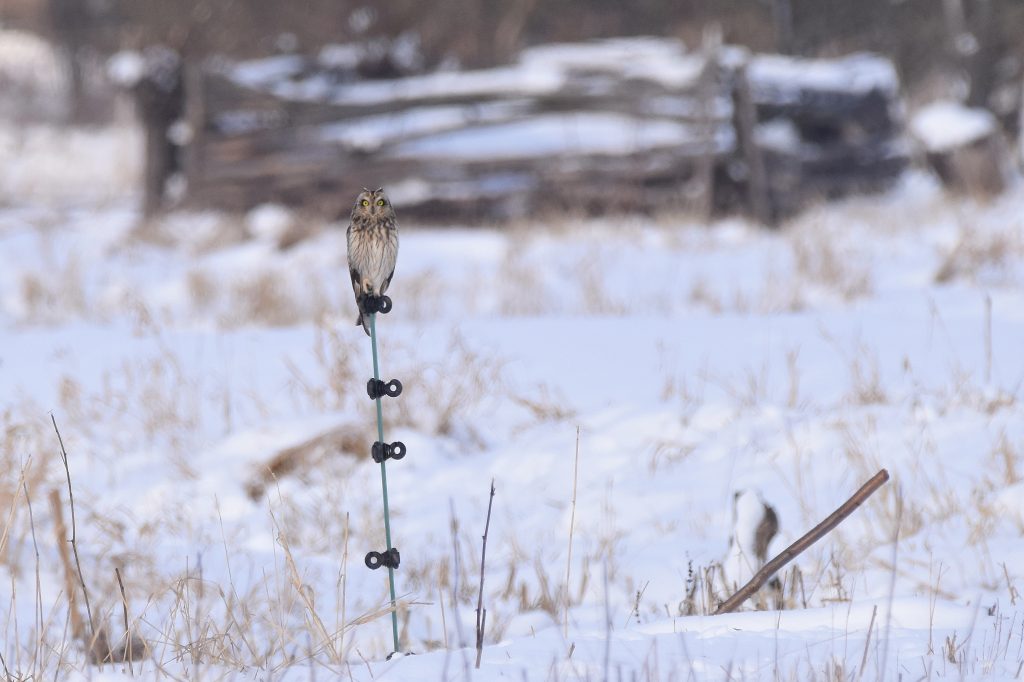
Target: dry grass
(264,299)
(23,478)
(179,619)
(825,258)
(524,292)
(447,397)
(196,233)
(306,460)
(154,393)
(54,296)
(981,253)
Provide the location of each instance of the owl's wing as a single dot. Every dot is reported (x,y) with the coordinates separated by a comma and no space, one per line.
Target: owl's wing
(356,279)
(766,530)
(387,282)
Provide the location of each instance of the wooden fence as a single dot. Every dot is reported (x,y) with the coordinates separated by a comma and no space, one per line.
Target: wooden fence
(619,125)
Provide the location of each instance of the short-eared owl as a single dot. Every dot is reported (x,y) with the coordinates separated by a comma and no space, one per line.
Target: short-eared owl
(372,248)
(755,524)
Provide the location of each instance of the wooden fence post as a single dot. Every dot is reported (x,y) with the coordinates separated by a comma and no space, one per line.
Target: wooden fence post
(758,199)
(707,92)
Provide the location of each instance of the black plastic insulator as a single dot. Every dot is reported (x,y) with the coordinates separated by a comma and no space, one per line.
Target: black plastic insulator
(394,388)
(389,558)
(377,388)
(382,451)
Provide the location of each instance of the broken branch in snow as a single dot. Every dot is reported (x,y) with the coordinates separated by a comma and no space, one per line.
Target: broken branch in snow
(809,538)
(481,612)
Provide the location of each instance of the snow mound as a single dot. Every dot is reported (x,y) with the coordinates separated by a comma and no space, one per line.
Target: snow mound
(946,125)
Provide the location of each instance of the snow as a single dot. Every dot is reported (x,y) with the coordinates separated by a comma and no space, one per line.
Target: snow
(371,132)
(523,81)
(859,73)
(337,56)
(269,222)
(945,125)
(32,77)
(645,58)
(22,52)
(126,68)
(107,164)
(261,72)
(539,70)
(554,134)
(209,388)
(780,134)
(545,69)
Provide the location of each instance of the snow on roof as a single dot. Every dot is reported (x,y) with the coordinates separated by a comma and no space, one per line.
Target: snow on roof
(945,125)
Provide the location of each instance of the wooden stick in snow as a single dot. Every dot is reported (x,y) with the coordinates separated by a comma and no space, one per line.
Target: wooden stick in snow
(794,550)
(481,612)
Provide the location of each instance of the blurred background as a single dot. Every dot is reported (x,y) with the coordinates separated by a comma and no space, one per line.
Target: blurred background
(487,110)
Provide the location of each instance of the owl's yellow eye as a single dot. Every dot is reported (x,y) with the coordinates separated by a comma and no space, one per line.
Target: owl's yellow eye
(364,202)
(380,202)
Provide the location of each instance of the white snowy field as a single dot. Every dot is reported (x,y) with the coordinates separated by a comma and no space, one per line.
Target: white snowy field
(210,390)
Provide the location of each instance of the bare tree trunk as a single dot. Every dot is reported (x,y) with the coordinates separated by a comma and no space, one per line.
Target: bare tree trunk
(974,46)
(159,99)
(981,64)
(782,16)
(1020,126)
(194,105)
(956,25)
(510,28)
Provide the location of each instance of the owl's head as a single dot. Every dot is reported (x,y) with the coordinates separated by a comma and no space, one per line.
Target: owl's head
(372,203)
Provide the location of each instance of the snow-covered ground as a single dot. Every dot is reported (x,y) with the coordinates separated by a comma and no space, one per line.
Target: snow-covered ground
(209,388)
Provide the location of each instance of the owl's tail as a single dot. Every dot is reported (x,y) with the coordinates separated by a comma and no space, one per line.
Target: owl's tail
(362,321)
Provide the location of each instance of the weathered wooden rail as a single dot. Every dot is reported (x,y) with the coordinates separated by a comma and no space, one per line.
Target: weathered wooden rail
(621,125)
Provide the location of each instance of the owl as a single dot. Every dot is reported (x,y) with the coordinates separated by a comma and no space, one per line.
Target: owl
(372,248)
(755,524)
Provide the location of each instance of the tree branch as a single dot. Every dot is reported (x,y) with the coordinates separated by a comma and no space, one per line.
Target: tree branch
(812,536)
(481,613)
